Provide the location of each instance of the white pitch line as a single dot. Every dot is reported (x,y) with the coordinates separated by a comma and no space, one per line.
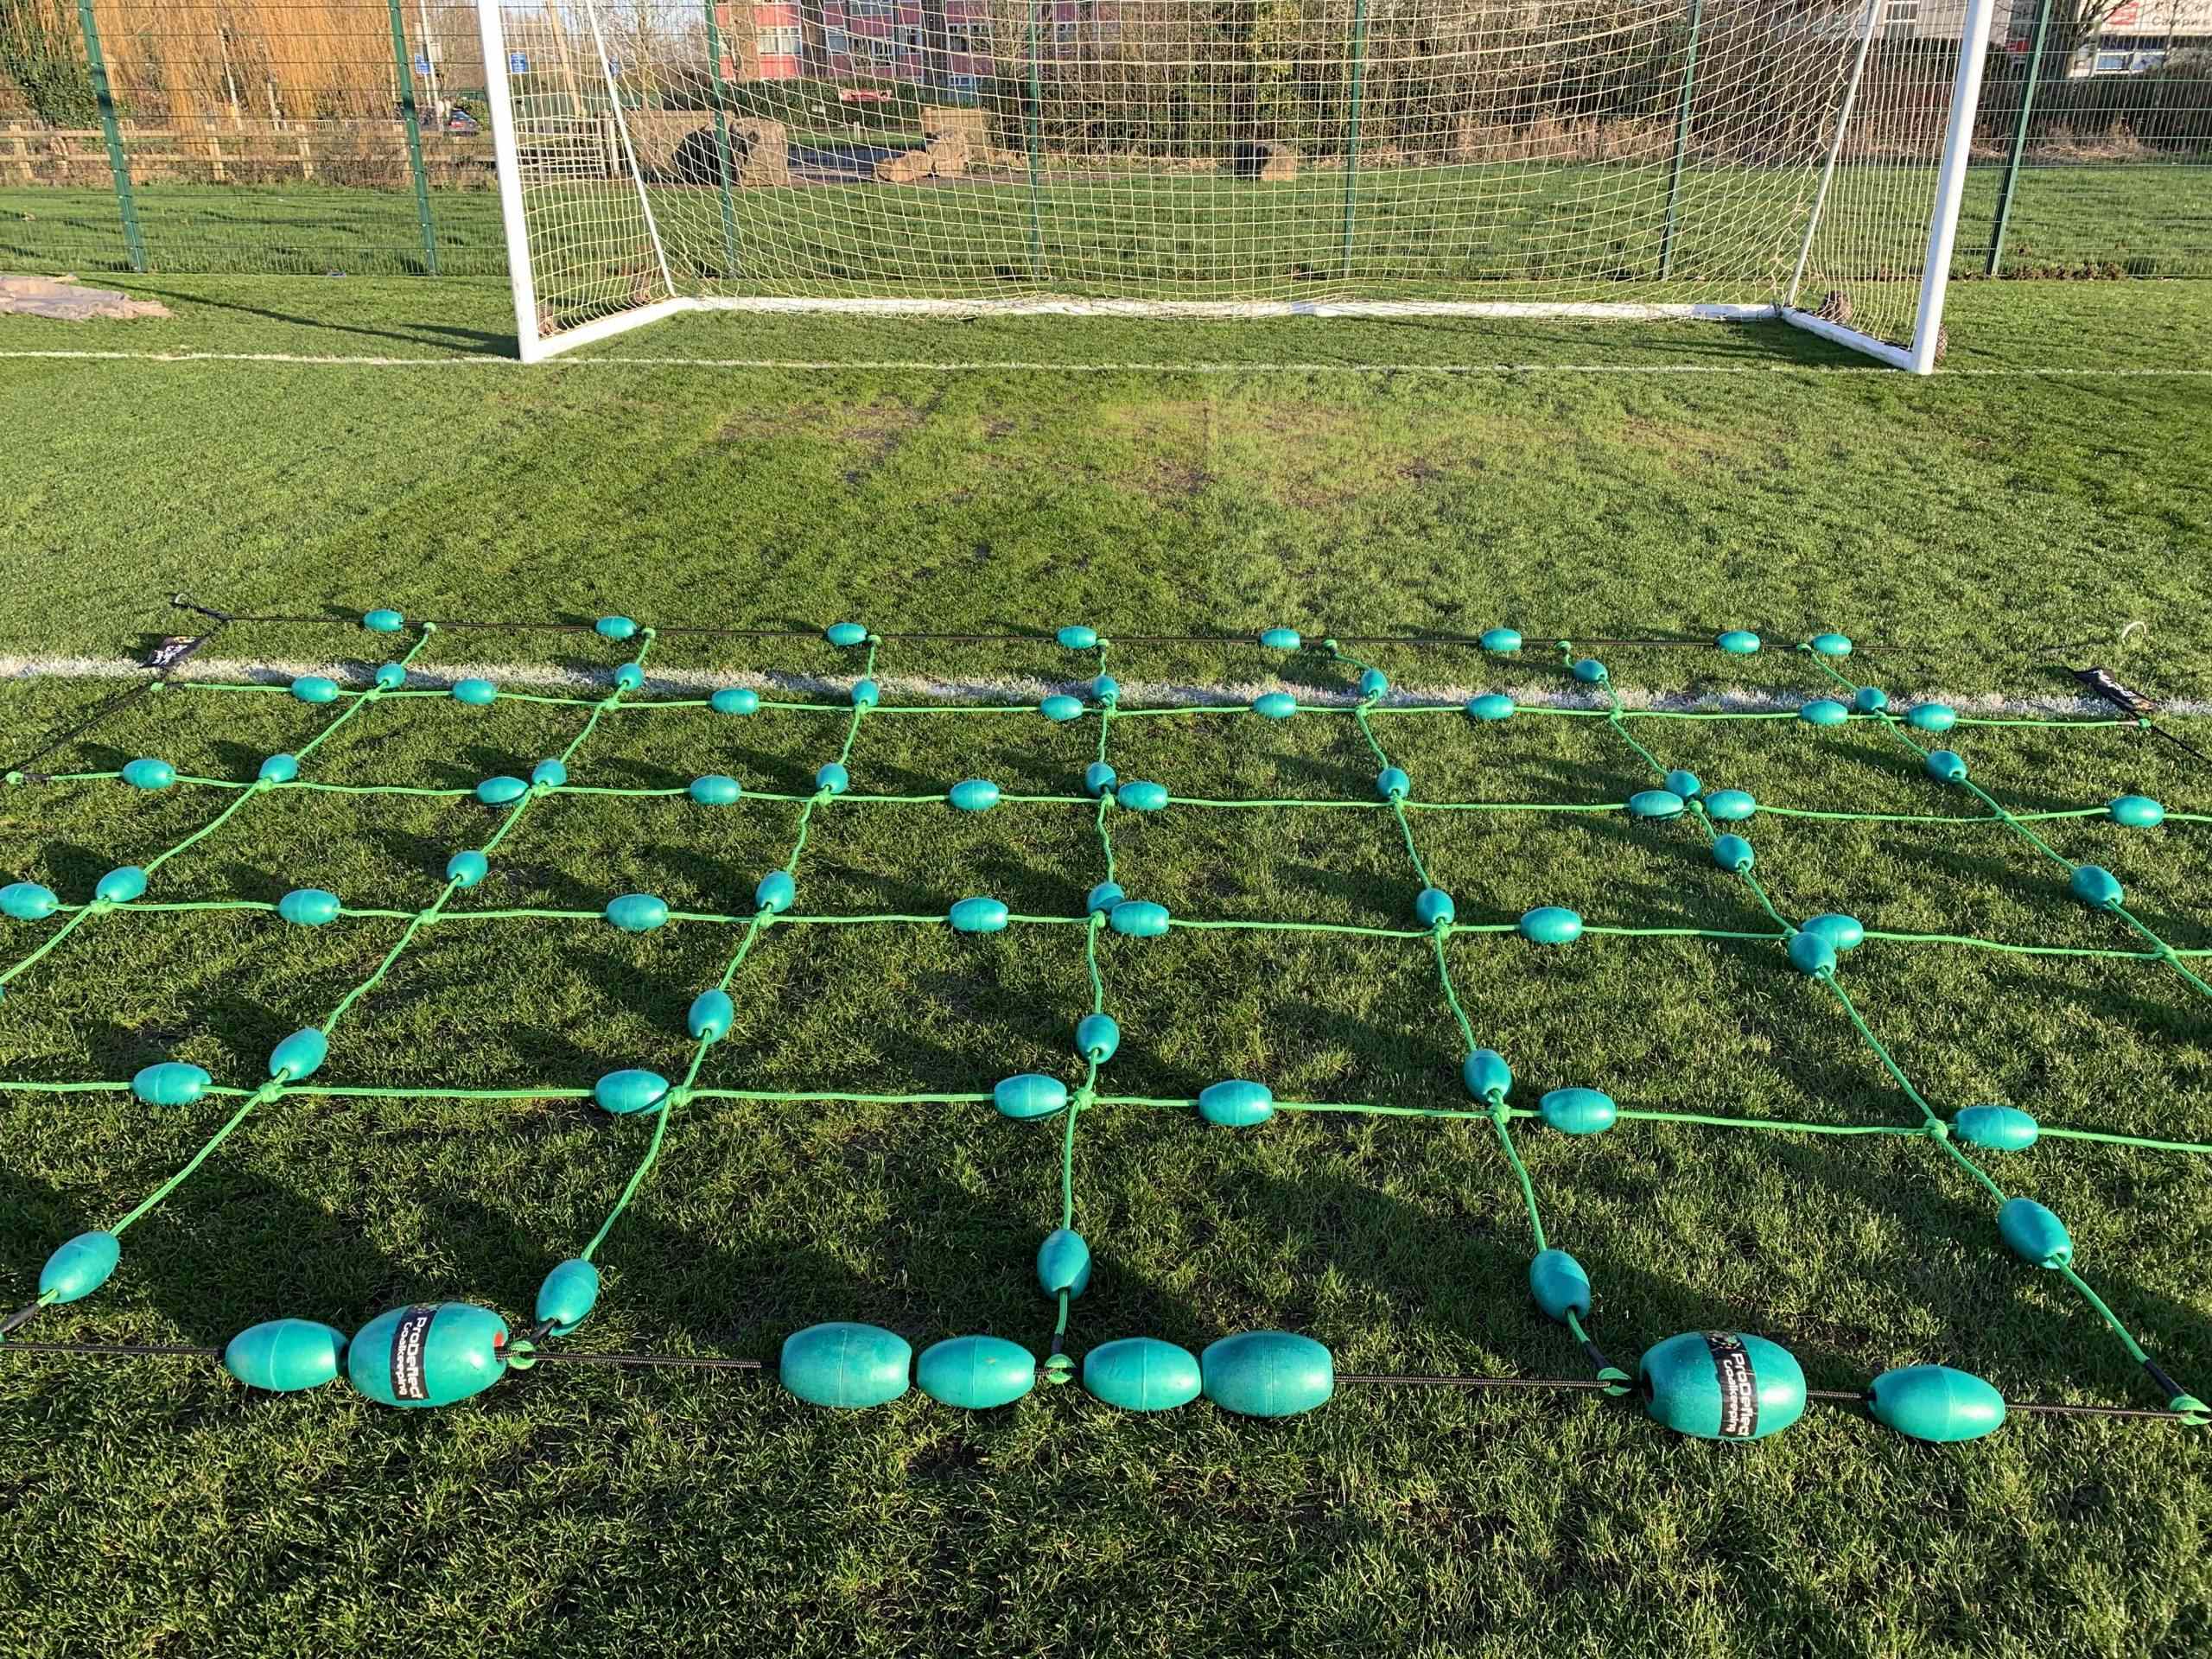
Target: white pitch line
(1019,691)
(1027,365)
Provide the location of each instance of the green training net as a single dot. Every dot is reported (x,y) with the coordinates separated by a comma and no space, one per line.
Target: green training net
(1714,1384)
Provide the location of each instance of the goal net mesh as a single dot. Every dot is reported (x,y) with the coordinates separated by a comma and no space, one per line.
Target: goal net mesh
(1220,154)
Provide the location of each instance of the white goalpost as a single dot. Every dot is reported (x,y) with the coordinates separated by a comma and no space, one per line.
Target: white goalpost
(1731,159)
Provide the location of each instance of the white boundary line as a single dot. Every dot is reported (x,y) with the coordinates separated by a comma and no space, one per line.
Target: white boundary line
(1026,366)
(1019,691)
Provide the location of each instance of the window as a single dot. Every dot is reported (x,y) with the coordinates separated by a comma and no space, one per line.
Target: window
(2112,63)
(779,42)
(2145,61)
(964,83)
(836,43)
(876,49)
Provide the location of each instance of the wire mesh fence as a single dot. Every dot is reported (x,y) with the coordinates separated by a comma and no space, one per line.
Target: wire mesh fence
(319,135)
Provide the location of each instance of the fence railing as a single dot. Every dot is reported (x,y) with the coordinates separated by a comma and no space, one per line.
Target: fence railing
(186,144)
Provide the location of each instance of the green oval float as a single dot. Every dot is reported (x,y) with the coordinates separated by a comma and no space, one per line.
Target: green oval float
(1142,1374)
(285,1356)
(1266,1374)
(1934,1402)
(2034,1234)
(976,1373)
(1551,924)
(1559,1284)
(79,1267)
(1031,1094)
(845,1365)
(1237,1104)
(431,1354)
(1579,1111)
(1722,1386)
(1996,1129)
(2138,812)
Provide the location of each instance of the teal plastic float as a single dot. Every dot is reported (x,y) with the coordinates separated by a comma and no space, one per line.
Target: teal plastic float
(1491,706)
(1730,805)
(1935,1404)
(314,688)
(2138,812)
(1142,1374)
(1266,1374)
(1718,1385)
(844,634)
(120,885)
(1075,637)
(1103,897)
(148,772)
(1433,906)
(1064,1263)
(1486,1075)
(1655,804)
(1932,717)
(28,901)
(775,892)
(1281,640)
(1831,645)
(975,1373)
(1560,1285)
(716,789)
(1734,853)
(1237,1104)
(285,1356)
(567,1295)
(466,869)
(973,795)
(300,1055)
(635,1089)
(79,1267)
(710,1015)
(1392,784)
(1551,924)
(979,914)
(384,622)
(1098,1037)
(1030,1094)
(1275,705)
(1739,642)
(1501,640)
(1138,919)
(1579,1111)
(830,778)
(278,769)
(845,1365)
(1824,711)
(1141,795)
(617,628)
(310,907)
(1996,1128)
(637,912)
(477,693)
(427,1355)
(1059,709)
(171,1082)
(2034,1234)
(735,700)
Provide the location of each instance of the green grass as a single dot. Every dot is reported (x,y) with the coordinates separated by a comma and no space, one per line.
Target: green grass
(1459,225)
(1957,527)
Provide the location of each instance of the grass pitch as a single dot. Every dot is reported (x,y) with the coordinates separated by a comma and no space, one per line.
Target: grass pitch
(1709,477)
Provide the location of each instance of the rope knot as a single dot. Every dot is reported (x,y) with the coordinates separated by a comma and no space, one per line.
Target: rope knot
(1937,1129)
(1083,1095)
(1500,1113)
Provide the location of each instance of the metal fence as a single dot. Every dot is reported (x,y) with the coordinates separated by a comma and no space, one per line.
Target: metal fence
(319,135)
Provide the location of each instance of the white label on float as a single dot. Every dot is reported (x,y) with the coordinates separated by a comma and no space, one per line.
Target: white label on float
(409,1380)
(1739,1391)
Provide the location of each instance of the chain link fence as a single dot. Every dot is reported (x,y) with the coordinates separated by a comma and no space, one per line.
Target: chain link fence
(319,135)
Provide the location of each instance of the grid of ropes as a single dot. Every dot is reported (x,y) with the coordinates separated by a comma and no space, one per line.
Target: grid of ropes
(1711,1384)
(1019,151)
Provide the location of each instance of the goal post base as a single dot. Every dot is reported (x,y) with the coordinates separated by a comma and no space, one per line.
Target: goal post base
(1895,356)
(536,349)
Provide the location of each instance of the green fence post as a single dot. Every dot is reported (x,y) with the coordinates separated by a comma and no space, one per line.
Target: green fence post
(721,135)
(413,137)
(2019,143)
(1681,145)
(1035,138)
(1351,123)
(117,163)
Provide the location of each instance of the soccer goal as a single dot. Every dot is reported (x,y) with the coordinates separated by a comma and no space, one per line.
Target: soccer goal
(1638,159)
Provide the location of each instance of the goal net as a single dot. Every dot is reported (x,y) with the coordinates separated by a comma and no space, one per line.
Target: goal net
(1634,158)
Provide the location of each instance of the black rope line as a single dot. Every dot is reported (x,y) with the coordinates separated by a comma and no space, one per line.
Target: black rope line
(1378,1379)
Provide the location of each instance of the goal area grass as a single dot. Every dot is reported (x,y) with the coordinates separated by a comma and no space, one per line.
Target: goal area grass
(337,446)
